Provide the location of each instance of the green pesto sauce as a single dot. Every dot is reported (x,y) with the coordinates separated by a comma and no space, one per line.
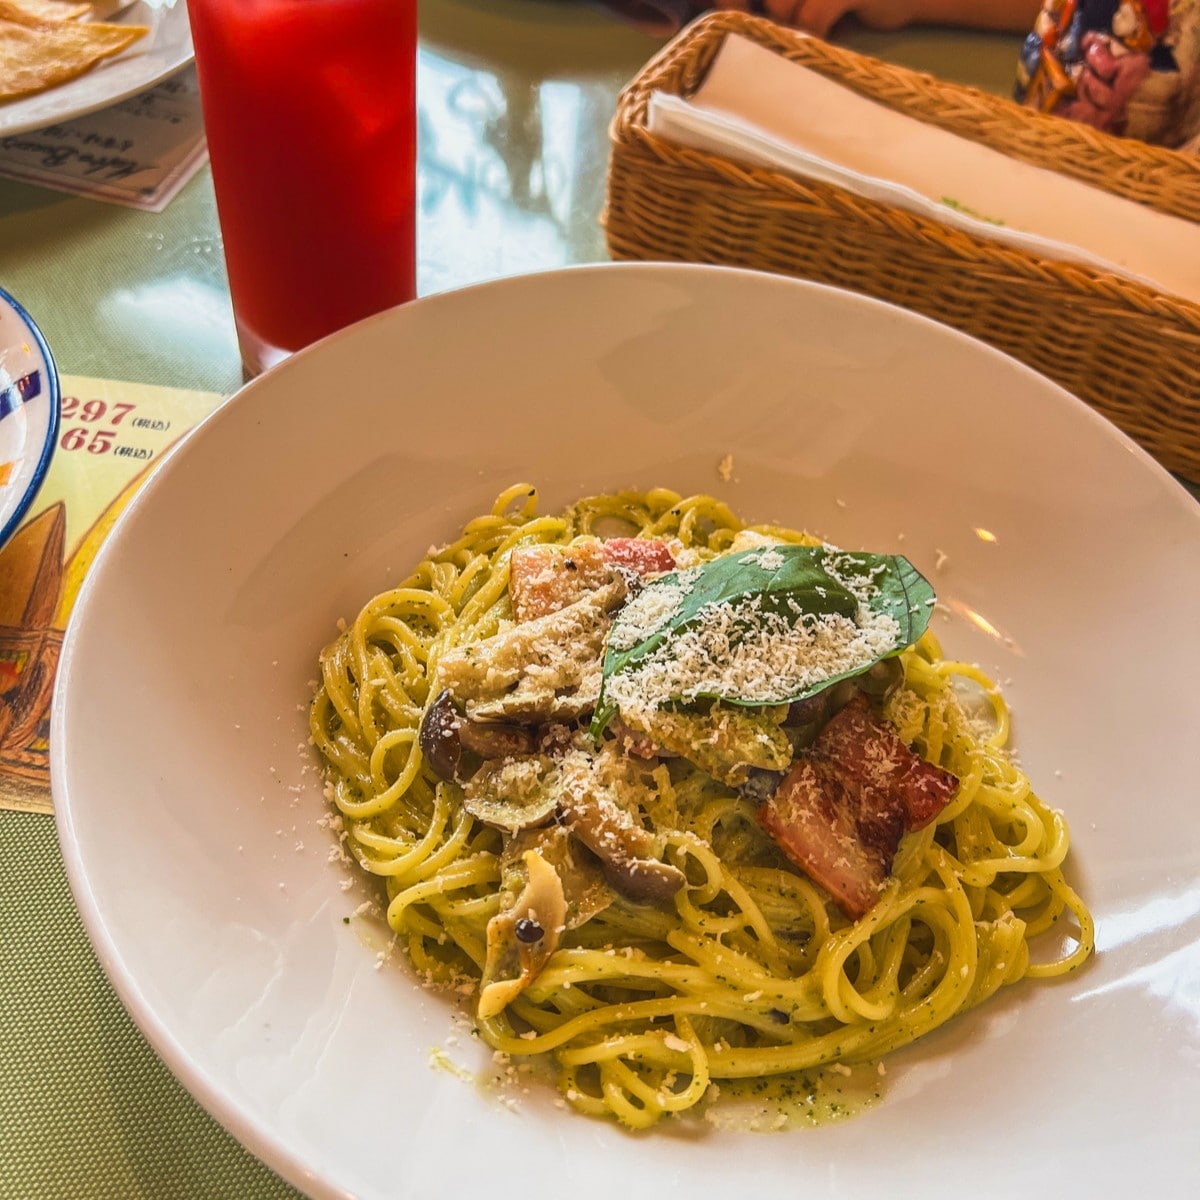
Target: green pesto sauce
(808,1100)
(805,1101)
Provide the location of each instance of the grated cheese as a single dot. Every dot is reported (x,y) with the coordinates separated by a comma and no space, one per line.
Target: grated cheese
(767,559)
(757,656)
(650,610)
(741,649)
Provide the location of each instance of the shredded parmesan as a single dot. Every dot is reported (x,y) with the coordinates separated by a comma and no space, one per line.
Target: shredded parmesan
(650,610)
(742,649)
(768,559)
(758,656)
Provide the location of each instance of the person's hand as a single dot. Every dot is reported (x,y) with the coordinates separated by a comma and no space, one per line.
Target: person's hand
(820,16)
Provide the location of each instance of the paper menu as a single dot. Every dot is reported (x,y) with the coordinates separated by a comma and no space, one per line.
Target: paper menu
(138,152)
(111,437)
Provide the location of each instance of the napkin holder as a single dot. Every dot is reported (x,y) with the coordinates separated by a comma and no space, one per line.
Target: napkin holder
(1128,350)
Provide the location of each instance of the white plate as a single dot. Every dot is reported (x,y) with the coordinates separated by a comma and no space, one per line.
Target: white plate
(166,48)
(189,824)
(29,398)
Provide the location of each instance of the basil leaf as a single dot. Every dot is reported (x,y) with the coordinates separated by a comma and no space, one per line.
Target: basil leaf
(797,583)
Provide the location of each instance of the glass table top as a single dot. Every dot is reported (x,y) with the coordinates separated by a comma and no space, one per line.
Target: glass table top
(515,99)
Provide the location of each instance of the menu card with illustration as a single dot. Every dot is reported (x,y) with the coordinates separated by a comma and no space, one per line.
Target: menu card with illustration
(111,438)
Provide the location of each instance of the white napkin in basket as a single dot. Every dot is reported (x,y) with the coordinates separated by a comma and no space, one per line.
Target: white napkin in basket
(758,108)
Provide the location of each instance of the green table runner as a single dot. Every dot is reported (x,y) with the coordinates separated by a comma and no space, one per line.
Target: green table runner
(86,1108)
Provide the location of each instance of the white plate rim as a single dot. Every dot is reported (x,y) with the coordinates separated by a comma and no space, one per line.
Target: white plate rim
(87,93)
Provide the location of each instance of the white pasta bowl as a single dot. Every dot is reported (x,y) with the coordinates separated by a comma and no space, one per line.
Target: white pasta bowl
(1067,564)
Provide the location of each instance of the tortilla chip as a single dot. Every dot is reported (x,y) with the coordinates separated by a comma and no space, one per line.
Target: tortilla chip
(41,12)
(32,60)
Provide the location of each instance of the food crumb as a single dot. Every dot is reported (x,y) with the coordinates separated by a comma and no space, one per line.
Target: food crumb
(941,560)
(725,468)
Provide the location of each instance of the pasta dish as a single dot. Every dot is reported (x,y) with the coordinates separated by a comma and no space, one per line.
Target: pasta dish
(686,805)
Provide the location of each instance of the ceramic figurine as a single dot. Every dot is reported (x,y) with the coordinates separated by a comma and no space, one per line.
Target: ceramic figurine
(1124,66)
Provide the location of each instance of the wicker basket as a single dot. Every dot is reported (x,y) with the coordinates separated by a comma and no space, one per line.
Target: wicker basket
(1128,350)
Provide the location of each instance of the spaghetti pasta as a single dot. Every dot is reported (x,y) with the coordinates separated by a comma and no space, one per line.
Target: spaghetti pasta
(750,971)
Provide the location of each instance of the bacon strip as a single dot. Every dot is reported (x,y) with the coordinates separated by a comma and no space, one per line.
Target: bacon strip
(840,813)
(643,556)
(819,835)
(543,579)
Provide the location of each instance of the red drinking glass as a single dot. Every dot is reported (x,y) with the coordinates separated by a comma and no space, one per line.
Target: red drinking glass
(310,111)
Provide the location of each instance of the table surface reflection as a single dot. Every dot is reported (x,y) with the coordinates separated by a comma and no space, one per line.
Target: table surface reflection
(515,98)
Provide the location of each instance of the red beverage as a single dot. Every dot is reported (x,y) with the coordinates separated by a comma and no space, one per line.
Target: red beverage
(310,111)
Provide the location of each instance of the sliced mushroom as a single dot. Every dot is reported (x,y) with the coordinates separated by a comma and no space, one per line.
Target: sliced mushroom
(882,679)
(840,694)
(540,670)
(644,880)
(521,939)
(540,705)
(453,745)
(438,739)
(496,739)
(599,801)
(809,711)
(584,888)
(513,793)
